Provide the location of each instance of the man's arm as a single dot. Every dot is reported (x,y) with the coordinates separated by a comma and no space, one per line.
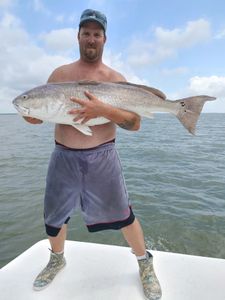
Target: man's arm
(96,108)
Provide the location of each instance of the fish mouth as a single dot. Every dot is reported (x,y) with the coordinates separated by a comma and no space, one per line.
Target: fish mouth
(22,109)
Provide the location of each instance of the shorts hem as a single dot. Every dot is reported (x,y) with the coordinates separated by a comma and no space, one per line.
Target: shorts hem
(112,225)
(54,231)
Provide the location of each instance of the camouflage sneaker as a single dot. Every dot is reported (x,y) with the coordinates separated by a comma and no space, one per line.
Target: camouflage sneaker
(150,283)
(55,264)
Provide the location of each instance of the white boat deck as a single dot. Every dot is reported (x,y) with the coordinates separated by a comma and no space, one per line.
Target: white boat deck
(103,272)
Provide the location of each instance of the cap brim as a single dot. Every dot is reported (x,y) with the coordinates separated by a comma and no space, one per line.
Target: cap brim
(92,20)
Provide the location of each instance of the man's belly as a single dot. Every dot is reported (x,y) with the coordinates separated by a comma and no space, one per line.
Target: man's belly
(72,138)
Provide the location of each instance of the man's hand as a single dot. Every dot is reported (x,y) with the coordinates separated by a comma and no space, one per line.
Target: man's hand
(95,108)
(89,109)
(33,120)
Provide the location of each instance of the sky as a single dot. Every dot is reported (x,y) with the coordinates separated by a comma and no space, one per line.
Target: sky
(176,46)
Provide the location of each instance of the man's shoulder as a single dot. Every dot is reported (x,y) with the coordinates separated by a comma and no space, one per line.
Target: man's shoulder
(62,72)
(113,75)
(64,68)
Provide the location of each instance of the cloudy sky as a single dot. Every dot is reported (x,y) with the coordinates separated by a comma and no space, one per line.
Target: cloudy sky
(176,46)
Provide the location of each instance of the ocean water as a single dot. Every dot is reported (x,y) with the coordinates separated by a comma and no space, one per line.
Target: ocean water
(176,183)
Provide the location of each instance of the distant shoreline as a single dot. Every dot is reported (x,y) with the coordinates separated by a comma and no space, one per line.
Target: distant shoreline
(8,113)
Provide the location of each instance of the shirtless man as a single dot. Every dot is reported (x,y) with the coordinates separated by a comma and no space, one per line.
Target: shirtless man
(75,157)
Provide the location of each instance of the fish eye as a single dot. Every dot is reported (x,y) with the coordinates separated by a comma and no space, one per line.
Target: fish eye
(24,97)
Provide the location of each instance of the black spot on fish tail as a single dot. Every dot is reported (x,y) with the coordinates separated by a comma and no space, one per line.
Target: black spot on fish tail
(190,110)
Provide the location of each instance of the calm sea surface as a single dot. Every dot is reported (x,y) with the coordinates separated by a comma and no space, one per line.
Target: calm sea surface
(176,183)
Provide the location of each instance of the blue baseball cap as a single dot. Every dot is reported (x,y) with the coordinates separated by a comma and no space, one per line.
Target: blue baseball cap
(91,15)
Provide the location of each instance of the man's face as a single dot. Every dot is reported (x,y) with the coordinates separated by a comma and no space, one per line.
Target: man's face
(91,39)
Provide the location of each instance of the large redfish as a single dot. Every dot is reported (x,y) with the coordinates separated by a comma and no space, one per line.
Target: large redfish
(51,102)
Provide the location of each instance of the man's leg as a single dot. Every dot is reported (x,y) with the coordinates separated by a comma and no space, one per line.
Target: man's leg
(57,242)
(134,236)
(56,262)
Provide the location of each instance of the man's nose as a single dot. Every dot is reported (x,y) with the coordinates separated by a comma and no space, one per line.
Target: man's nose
(91,39)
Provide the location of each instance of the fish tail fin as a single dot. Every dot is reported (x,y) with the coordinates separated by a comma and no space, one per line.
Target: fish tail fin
(189,110)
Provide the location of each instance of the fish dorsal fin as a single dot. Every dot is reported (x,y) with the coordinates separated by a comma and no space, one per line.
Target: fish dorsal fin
(88,82)
(146,88)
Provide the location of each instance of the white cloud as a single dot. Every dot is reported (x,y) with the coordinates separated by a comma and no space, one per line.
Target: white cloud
(143,54)
(6,3)
(167,43)
(8,21)
(175,71)
(213,85)
(39,6)
(195,32)
(116,62)
(22,63)
(220,35)
(60,40)
(60,18)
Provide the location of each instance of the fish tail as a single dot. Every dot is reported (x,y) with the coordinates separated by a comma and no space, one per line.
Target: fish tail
(189,110)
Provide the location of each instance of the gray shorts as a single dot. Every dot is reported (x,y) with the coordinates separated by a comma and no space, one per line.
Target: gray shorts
(90,180)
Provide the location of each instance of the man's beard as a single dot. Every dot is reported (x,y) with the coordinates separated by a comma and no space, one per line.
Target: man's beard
(91,54)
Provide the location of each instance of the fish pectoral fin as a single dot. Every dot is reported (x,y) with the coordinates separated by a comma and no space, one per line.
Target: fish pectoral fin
(83,128)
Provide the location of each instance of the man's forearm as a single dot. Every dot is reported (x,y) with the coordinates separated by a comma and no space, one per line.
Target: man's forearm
(125,119)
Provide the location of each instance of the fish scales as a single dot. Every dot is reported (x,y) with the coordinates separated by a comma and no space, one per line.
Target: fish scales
(51,102)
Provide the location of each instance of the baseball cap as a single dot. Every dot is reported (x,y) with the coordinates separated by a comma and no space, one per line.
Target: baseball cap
(95,16)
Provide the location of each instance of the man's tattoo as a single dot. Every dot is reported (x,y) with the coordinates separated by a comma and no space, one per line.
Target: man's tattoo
(127,124)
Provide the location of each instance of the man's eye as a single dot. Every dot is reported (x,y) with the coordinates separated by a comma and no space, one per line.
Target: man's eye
(98,35)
